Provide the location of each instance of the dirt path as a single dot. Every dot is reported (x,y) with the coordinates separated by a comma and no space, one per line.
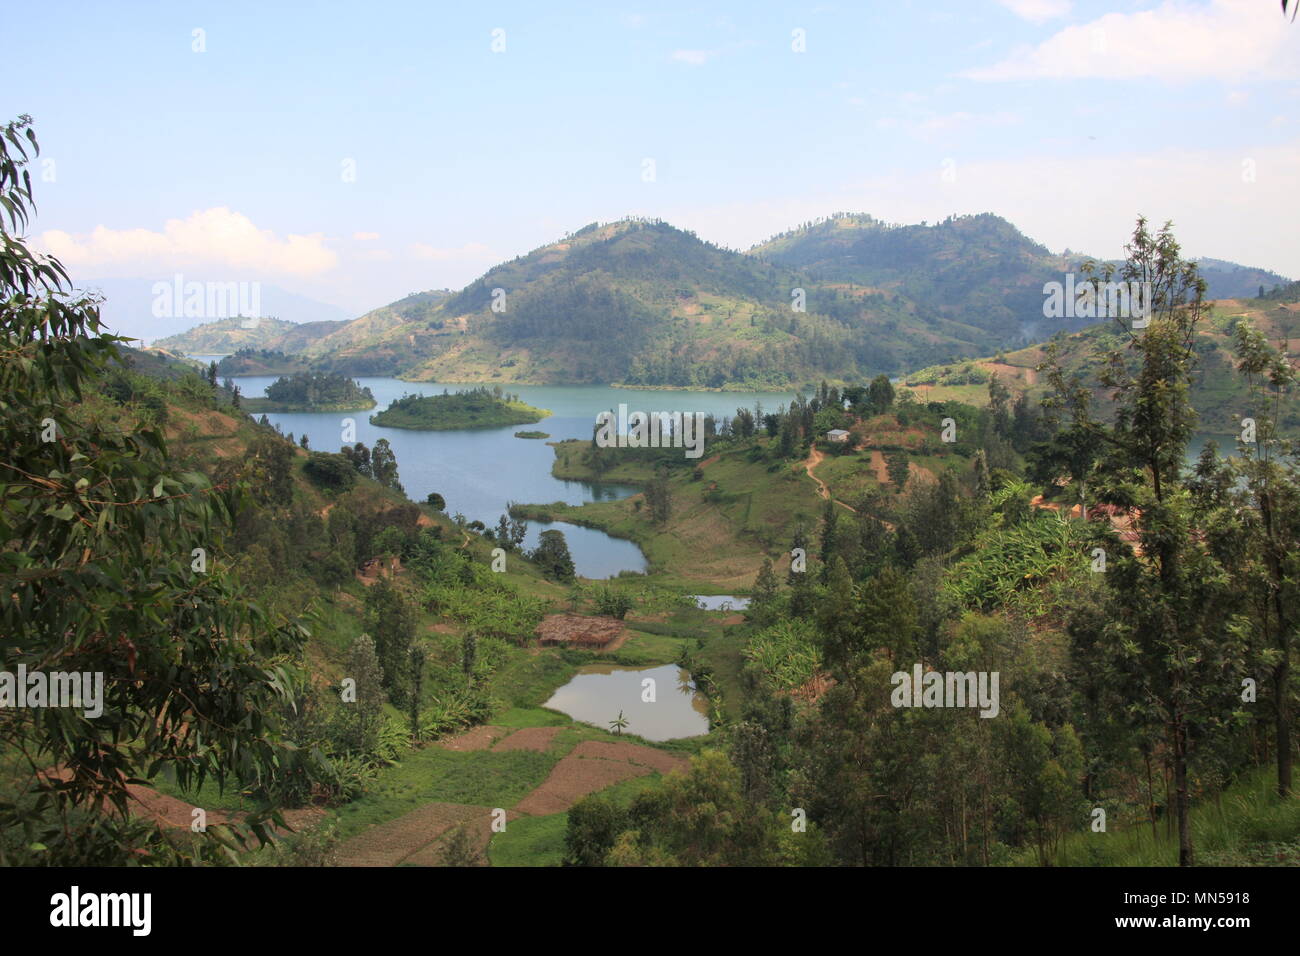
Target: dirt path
(879,467)
(476,738)
(815,457)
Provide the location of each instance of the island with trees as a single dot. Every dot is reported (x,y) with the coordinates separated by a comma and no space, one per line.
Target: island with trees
(474,408)
(313,392)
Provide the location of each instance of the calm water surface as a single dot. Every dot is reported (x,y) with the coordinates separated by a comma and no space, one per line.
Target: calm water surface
(599,692)
(481,471)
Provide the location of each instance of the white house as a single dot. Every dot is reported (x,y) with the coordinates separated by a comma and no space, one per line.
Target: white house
(837,435)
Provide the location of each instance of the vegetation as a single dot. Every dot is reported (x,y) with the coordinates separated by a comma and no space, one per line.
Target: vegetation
(312,392)
(474,408)
(281,629)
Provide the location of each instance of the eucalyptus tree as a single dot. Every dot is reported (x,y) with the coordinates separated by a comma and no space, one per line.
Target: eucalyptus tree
(113,569)
(1171,638)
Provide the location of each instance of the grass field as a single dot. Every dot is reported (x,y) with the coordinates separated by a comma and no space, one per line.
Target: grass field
(1246,826)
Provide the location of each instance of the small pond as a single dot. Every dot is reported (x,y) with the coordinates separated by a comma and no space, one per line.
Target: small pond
(598,692)
(721,602)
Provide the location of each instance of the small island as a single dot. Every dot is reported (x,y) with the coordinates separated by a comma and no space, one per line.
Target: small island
(475,408)
(532,434)
(312,392)
(261,362)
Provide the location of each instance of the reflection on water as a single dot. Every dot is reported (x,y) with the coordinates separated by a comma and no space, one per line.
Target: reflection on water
(599,692)
(481,471)
(721,602)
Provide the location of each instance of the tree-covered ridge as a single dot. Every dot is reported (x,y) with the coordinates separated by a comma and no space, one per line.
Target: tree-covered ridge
(469,408)
(1219,393)
(312,391)
(666,309)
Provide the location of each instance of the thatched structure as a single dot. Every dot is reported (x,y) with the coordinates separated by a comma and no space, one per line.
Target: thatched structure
(575,630)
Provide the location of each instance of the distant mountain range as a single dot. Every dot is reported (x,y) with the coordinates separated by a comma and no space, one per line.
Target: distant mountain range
(128,307)
(640,302)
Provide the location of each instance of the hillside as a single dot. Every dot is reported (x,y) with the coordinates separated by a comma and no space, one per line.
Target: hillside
(980,270)
(223,336)
(661,307)
(1219,394)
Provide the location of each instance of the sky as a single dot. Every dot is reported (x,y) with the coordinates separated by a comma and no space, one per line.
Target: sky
(354,153)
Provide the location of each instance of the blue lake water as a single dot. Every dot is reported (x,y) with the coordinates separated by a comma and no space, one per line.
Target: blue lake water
(481,471)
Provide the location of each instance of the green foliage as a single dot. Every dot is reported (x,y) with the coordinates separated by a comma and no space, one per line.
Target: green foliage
(472,408)
(788,653)
(330,471)
(1009,566)
(552,556)
(102,577)
(313,392)
(390,619)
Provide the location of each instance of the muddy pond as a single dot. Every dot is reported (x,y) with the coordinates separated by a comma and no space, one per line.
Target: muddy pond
(599,692)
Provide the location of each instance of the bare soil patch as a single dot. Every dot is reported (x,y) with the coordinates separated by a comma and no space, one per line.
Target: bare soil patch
(476,738)
(529,738)
(168,811)
(414,837)
(638,754)
(594,765)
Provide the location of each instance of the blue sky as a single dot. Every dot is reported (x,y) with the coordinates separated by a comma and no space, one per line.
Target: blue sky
(1068,118)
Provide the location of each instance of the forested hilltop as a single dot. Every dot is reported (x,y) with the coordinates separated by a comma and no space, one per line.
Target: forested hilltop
(642,303)
(977,269)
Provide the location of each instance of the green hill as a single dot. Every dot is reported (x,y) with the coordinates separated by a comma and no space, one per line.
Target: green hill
(978,270)
(229,335)
(643,303)
(1219,393)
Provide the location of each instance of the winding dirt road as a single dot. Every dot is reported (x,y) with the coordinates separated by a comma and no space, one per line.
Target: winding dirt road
(815,457)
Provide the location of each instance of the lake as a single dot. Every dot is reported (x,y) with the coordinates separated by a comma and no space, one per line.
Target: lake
(599,692)
(481,471)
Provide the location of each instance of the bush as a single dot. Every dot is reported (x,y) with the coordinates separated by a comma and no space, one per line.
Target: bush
(330,471)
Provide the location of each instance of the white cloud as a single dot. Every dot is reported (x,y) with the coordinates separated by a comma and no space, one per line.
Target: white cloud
(1037,11)
(931,125)
(951,122)
(1223,39)
(694,57)
(211,237)
(365,236)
